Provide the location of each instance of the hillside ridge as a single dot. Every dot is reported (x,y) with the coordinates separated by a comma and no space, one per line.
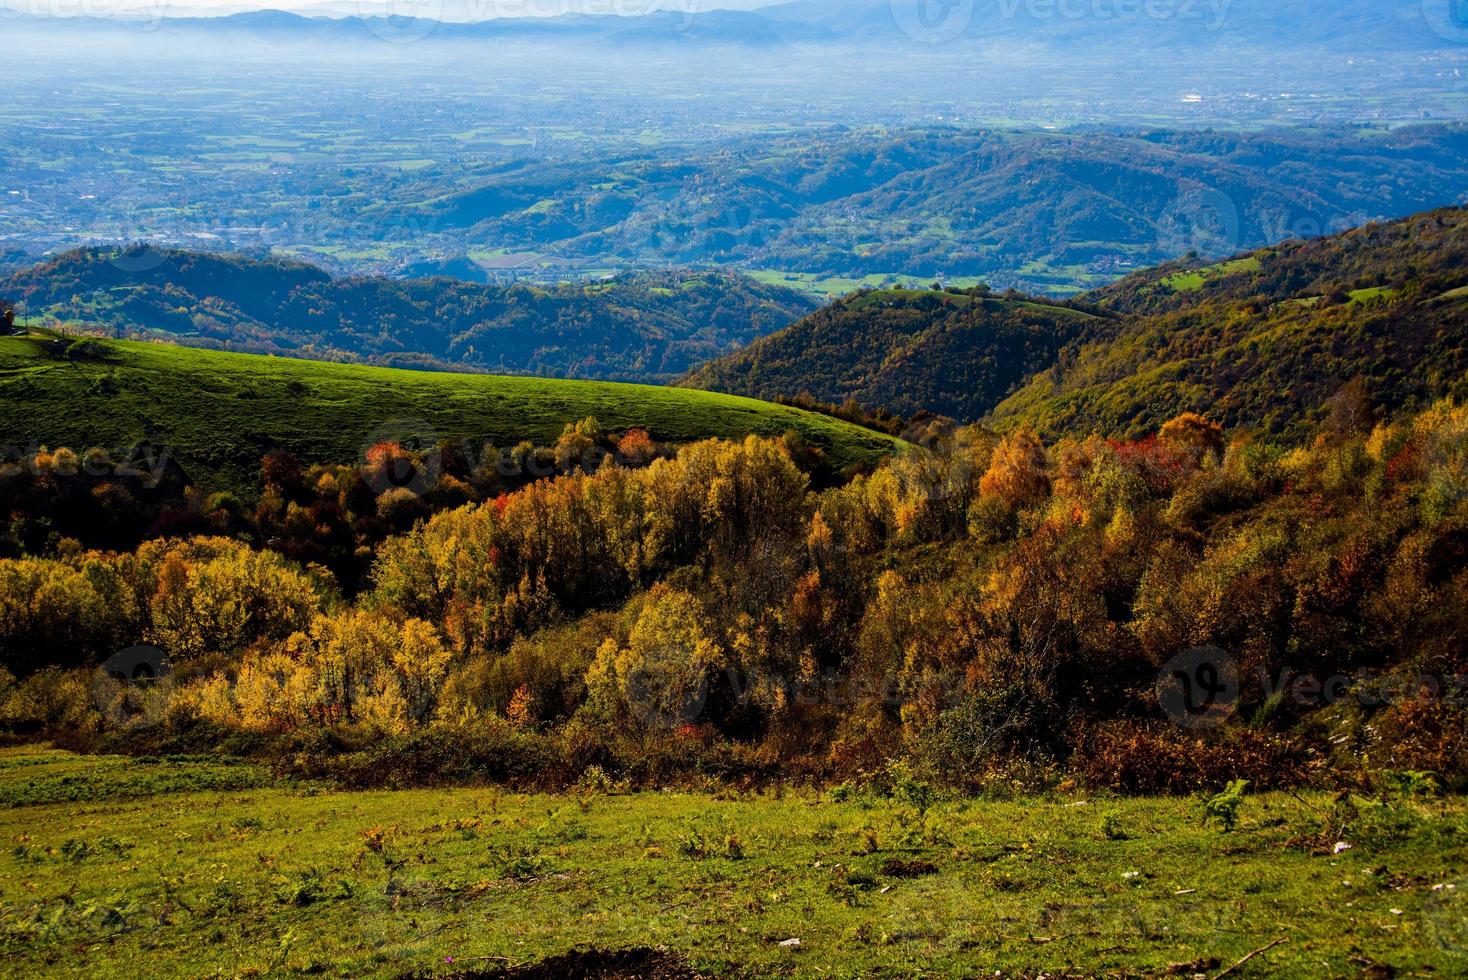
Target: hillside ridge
(1265,340)
(217,413)
(642,327)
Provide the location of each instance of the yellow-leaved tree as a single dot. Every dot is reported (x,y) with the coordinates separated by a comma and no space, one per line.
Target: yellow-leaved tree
(1018,471)
(662,678)
(353,667)
(213,595)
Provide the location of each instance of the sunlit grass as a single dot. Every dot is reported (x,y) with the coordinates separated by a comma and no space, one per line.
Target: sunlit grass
(1192,281)
(187,881)
(218,413)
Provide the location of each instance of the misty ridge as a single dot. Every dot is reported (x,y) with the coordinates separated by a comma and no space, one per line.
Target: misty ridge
(1005,142)
(1367,27)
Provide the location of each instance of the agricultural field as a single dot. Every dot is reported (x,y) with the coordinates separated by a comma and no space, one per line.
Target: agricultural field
(218,413)
(834,287)
(177,867)
(1194,279)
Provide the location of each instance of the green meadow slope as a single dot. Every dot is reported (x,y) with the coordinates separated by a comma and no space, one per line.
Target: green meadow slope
(218,413)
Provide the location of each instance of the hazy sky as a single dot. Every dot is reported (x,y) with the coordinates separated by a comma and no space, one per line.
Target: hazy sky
(461,9)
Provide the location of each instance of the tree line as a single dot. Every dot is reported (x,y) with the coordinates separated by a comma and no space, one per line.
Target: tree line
(994,610)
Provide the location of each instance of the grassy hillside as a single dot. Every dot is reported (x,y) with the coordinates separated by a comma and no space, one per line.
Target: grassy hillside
(649,327)
(218,413)
(128,867)
(955,352)
(1267,340)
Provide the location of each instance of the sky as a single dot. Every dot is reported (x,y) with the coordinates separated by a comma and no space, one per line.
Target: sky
(457,9)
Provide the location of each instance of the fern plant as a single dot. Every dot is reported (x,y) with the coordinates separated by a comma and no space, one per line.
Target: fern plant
(1224,807)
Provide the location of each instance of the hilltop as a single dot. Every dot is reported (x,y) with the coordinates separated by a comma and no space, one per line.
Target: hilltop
(218,413)
(954,352)
(648,327)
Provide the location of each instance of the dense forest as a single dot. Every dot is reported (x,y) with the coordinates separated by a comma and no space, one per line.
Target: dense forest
(996,613)
(649,327)
(1266,340)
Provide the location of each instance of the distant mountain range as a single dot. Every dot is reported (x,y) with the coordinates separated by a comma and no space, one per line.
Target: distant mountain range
(1040,210)
(1265,340)
(650,327)
(1359,25)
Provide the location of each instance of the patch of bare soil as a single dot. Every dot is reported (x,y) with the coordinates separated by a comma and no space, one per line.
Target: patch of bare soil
(591,964)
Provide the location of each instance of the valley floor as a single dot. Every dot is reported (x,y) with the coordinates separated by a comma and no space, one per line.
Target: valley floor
(188,867)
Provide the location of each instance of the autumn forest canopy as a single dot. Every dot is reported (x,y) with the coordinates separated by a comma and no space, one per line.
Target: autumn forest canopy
(992,601)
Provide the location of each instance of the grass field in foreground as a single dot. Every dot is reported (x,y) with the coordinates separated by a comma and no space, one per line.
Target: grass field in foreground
(218,413)
(139,868)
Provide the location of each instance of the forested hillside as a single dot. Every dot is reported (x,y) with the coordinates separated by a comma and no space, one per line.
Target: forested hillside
(1277,341)
(647,327)
(1267,340)
(993,614)
(953,352)
(1039,210)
